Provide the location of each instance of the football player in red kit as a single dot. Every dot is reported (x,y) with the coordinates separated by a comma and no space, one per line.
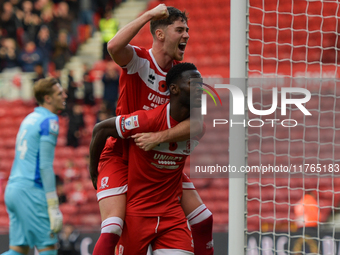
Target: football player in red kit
(142,86)
(155,176)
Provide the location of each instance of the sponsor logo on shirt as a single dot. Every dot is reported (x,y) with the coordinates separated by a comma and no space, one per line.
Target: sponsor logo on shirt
(151,78)
(159,156)
(131,122)
(157,99)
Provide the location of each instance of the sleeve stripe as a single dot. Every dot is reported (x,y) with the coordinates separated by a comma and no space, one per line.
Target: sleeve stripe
(188,185)
(118,127)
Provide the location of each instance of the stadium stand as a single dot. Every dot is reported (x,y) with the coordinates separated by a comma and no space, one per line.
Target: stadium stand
(209,49)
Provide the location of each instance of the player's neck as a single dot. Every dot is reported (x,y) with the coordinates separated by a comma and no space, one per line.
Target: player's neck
(179,112)
(163,60)
(49,107)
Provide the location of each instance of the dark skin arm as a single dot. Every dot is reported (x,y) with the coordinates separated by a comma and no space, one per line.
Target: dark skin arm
(181,132)
(101,132)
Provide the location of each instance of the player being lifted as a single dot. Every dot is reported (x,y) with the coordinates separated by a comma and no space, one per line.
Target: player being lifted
(142,86)
(155,186)
(30,195)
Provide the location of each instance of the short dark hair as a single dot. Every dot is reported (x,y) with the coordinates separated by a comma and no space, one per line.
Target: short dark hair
(44,87)
(174,14)
(176,71)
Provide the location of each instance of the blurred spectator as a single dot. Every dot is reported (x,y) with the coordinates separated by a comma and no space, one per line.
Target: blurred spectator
(71,173)
(102,113)
(9,21)
(15,4)
(75,126)
(103,5)
(30,56)
(74,10)
(60,190)
(71,90)
(9,55)
(78,196)
(61,52)
(307,211)
(40,6)
(69,241)
(47,19)
(44,42)
(87,8)
(39,70)
(111,83)
(27,6)
(108,27)
(63,20)
(88,86)
(31,21)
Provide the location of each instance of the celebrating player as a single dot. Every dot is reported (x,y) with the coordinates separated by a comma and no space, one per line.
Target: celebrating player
(155,177)
(143,87)
(30,195)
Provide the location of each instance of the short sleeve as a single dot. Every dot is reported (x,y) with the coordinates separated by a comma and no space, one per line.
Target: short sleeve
(49,130)
(138,60)
(128,125)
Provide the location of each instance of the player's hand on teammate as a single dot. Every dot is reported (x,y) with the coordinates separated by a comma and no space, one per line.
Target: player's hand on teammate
(146,141)
(159,12)
(55,215)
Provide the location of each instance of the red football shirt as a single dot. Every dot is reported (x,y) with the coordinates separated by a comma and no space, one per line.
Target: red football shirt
(155,177)
(142,85)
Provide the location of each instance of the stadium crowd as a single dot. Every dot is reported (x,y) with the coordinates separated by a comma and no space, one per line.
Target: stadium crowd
(37,34)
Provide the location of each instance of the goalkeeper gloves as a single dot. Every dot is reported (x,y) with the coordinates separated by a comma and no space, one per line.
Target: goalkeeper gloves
(56,217)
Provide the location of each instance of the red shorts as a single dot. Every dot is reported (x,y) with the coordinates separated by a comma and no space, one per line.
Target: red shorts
(166,234)
(113,172)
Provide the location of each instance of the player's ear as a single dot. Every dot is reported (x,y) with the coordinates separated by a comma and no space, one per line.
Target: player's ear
(160,34)
(174,89)
(47,99)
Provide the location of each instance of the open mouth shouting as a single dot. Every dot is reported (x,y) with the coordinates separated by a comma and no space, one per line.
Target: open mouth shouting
(182,46)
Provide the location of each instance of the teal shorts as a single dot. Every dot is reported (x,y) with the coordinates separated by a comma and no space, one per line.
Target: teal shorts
(29,221)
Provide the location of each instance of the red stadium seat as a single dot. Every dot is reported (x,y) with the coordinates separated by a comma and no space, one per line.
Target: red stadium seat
(69,209)
(4,221)
(201,183)
(93,220)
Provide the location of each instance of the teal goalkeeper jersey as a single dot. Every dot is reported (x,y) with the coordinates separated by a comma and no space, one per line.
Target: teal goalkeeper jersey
(34,151)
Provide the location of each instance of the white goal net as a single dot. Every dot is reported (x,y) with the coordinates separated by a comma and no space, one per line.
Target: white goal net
(293,189)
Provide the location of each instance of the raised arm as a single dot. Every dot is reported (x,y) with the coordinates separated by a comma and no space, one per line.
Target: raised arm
(101,132)
(181,132)
(119,48)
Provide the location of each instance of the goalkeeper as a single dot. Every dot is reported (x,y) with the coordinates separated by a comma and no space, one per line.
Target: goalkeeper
(30,196)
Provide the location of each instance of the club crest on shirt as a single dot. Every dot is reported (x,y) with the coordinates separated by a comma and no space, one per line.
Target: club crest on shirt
(121,250)
(131,122)
(103,183)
